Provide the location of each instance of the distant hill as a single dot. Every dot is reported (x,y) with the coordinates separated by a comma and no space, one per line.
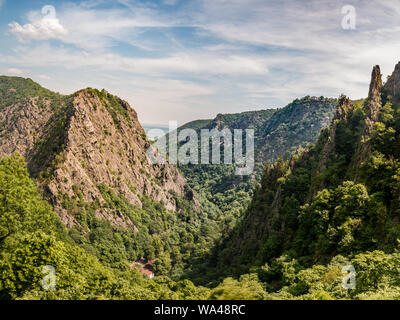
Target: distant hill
(278,132)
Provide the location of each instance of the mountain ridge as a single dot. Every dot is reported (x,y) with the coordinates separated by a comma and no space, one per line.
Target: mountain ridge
(83,140)
(277,132)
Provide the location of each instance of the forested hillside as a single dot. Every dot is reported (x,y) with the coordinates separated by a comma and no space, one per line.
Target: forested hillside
(332,204)
(277,132)
(32,237)
(94,208)
(87,154)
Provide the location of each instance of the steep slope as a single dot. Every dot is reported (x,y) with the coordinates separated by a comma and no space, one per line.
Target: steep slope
(87,152)
(341,196)
(392,85)
(85,140)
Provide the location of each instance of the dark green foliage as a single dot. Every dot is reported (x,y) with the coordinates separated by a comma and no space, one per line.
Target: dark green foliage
(278,132)
(31,240)
(18,90)
(330,205)
(156,233)
(339,197)
(21,207)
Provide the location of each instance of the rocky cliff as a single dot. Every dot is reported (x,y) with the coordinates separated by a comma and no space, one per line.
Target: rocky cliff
(392,85)
(73,144)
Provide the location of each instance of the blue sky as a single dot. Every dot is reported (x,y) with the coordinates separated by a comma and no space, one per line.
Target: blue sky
(192,59)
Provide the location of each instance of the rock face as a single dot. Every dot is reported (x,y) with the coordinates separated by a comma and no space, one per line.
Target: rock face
(392,86)
(373,105)
(374,95)
(79,142)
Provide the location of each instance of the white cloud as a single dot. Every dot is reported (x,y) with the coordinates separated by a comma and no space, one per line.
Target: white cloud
(41,27)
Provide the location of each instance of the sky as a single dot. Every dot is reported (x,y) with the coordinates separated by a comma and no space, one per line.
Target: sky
(182,60)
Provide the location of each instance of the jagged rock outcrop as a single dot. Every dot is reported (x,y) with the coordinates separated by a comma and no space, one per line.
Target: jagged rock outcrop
(392,85)
(373,105)
(75,144)
(346,107)
(374,95)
